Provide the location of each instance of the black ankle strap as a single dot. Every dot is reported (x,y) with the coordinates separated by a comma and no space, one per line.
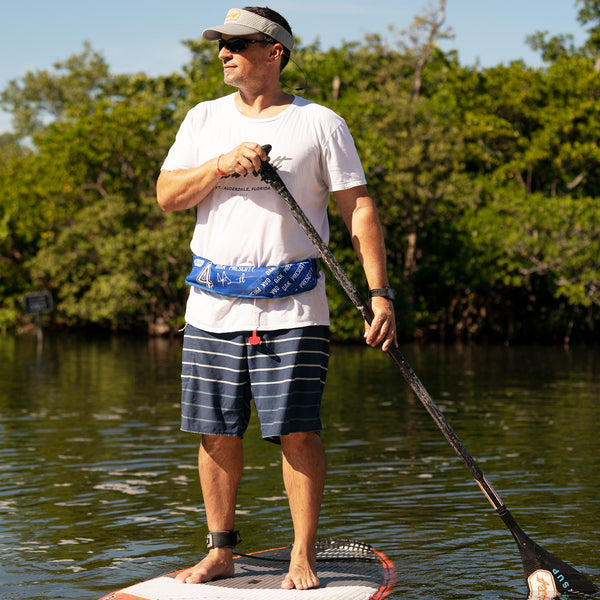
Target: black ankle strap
(223,539)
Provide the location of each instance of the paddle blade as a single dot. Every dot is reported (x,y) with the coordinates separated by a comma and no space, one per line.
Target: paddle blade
(546,575)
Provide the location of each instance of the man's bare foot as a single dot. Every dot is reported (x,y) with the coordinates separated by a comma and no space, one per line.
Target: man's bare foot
(301,575)
(217,565)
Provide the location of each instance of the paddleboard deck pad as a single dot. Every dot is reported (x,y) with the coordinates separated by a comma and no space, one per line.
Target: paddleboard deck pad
(347,570)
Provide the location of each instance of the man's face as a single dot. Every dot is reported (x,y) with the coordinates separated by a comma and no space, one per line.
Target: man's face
(243,65)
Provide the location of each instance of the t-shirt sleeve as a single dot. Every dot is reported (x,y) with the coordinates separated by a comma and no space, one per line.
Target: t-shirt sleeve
(343,169)
(182,154)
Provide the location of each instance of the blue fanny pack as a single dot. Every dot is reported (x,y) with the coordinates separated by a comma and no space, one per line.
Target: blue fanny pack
(254,282)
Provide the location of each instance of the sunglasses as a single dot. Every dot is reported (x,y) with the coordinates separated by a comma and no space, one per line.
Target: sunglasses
(236,45)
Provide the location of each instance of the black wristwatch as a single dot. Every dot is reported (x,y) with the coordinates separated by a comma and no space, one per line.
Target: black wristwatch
(386,292)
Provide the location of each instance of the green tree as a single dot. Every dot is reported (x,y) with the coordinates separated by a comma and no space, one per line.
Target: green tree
(412,152)
(96,145)
(552,48)
(532,265)
(122,270)
(45,96)
(589,14)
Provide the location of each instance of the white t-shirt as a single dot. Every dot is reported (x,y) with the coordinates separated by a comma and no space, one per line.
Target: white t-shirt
(244,221)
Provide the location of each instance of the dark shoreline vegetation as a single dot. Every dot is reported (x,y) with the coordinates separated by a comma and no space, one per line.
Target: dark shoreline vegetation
(487,181)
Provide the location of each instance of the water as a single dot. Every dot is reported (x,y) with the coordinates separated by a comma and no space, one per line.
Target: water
(98,487)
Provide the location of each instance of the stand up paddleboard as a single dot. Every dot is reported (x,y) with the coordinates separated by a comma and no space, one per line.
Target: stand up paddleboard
(347,570)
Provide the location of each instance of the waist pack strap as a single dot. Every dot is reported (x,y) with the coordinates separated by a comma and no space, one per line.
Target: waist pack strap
(254,282)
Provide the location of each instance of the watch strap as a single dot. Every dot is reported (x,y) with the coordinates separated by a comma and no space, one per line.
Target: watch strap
(386,292)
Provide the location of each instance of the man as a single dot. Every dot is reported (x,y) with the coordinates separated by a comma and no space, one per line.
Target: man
(257,315)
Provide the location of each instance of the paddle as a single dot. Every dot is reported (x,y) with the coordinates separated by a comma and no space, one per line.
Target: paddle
(546,575)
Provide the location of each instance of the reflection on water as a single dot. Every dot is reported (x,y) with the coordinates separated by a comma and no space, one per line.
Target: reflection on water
(98,487)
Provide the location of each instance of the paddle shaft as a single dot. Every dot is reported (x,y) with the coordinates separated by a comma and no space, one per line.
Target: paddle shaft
(270,175)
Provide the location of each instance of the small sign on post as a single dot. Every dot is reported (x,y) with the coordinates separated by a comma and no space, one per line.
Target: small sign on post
(37,304)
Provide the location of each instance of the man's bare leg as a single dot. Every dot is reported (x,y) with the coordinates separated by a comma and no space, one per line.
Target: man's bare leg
(220,461)
(304,469)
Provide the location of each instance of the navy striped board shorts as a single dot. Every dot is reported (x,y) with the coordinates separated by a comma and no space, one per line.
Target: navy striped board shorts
(284,375)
